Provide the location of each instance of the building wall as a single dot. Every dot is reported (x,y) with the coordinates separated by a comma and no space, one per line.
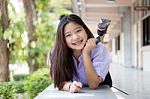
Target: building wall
(122,48)
(146,58)
(142,55)
(132,52)
(135,46)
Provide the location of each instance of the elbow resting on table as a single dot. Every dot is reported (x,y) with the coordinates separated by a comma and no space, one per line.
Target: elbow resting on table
(93,86)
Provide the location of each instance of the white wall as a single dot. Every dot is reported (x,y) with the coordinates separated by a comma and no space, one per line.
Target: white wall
(117,56)
(146,58)
(135,46)
(122,48)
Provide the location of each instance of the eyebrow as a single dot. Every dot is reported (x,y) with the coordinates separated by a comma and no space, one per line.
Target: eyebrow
(73,29)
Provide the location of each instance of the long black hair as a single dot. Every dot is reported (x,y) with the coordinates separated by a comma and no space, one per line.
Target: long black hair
(62,65)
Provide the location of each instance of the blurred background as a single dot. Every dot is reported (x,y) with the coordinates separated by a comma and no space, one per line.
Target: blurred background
(27,33)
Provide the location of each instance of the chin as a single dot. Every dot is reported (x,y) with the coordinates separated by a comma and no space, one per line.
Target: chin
(79,48)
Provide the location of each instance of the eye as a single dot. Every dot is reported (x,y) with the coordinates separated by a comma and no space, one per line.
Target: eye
(67,35)
(78,30)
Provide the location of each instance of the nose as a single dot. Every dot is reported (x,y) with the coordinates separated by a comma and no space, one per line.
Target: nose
(75,36)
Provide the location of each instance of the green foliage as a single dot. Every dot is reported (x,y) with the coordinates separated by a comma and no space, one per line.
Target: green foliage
(19,81)
(42,5)
(37,82)
(41,46)
(45,30)
(1,34)
(19,86)
(45,27)
(1,29)
(18,77)
(58,6)
(14,34)
(7,90)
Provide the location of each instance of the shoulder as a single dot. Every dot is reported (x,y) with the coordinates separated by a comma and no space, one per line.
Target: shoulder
(100,45)
(100,48)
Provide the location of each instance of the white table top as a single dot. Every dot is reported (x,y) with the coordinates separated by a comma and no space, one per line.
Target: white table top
(103,92)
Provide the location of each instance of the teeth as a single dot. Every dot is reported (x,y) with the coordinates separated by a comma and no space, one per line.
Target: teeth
(78,43)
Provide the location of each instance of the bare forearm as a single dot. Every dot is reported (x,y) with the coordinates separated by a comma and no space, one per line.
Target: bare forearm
(91,75)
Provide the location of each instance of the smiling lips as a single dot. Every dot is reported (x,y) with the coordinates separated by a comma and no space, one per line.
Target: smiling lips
(77,42)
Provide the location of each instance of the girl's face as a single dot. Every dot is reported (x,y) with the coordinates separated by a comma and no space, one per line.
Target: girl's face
(75,36)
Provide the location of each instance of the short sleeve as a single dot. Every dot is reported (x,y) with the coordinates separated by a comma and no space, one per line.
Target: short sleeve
(101,60)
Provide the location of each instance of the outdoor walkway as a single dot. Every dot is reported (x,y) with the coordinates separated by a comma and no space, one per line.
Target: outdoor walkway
(132,81)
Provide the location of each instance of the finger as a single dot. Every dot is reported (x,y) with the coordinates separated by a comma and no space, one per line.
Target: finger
(75,83)
(75,88)
(79,84)
(72,88)
(92,41)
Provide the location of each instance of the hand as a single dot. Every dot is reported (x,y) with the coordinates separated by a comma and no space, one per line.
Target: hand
(90,44)
(75,86)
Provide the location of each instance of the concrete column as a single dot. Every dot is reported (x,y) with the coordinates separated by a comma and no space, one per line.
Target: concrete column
(127,38)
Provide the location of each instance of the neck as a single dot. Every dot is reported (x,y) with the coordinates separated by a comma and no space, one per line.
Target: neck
(77,54)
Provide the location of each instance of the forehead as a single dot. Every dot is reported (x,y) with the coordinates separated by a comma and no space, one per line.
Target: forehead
(71,26)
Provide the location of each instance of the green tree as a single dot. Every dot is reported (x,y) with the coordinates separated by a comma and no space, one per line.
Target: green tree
(45,29)
(41,38)
(29,6)
(60,7)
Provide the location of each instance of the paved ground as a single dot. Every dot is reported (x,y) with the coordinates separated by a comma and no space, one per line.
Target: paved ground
(135,82)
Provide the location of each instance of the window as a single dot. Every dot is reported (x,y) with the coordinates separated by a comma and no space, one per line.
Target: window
(117,41)
(146,31)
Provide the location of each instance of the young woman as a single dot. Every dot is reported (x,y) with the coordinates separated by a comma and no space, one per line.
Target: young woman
(76,60)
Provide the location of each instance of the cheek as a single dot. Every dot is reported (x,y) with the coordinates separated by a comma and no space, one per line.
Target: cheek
(67,41)
(85,37)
